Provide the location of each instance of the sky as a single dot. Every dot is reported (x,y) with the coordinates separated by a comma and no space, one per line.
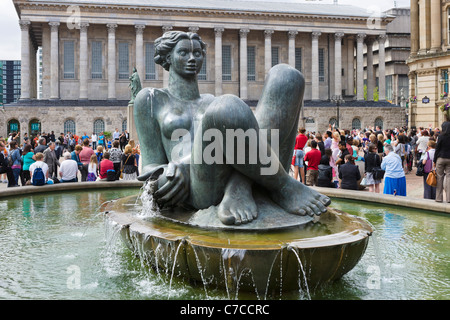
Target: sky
(10,31)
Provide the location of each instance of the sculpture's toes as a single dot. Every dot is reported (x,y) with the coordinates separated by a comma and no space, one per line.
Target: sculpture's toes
(226,217)
(326,201)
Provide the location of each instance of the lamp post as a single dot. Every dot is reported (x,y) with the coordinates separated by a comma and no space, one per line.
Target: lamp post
(337,99)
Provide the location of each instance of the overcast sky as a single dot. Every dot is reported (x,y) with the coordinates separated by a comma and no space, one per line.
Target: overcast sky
(10,31)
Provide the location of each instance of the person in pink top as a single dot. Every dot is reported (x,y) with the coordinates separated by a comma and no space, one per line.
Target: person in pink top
(85,158)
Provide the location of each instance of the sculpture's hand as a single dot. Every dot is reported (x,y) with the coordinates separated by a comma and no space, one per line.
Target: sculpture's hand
(152,173)
(176,189)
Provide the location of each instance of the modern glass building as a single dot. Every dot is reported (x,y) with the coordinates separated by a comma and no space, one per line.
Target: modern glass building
(10,80)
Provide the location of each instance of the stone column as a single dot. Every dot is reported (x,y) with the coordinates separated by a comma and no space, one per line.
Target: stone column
(25,60)
(350,66)
(165,29)
(315,66)
(424,27)
(381,67)
(360,66)
(414,27)
(218,57)
(84,69)
(370,74)
(54,57)
(267,50)
(112,61)
(291,55)
(140,62)
(338,63)
(243,63)
(435,25)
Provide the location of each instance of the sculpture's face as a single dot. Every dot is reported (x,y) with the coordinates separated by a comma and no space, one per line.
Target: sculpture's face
(186,58)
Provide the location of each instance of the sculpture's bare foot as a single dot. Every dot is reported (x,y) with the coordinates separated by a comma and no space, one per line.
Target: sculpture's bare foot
(237,206)
(297,198)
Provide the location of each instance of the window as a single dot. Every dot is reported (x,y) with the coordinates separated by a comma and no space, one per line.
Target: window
(251,66)
(97,60)
(150,69)
(226,63)
(124,59)
(321,65)
(124,125)
(448,25)
(69,60)
(99,126)
(298,59)
(275,56)
(202,73)
(69,126)
(389,95)
(444,80)
(356,123)
(379,123)
(13,126)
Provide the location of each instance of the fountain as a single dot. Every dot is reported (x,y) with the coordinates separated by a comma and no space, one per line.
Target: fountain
(219,209)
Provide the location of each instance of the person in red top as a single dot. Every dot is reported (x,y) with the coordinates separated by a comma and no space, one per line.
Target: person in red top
(297,161)
(105,165)
(313,158)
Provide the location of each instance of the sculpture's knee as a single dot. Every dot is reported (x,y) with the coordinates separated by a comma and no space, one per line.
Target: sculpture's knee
(229,111)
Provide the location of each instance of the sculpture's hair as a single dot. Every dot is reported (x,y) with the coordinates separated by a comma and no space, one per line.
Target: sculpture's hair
(165,44)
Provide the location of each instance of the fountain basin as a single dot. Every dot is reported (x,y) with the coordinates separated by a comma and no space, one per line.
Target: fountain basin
(280,259)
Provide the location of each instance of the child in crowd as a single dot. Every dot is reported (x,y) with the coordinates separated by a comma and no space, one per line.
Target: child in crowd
(92,168)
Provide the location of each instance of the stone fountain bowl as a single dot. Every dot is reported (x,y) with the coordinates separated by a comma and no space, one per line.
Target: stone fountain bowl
(290,253)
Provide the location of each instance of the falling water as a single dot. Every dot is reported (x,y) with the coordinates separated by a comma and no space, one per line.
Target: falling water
(270,271)
(174,264)
(200,270)
(302,272)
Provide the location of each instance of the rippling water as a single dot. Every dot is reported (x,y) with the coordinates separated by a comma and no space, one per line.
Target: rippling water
(59,246)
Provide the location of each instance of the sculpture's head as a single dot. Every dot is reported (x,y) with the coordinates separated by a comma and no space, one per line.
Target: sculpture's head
(183,51)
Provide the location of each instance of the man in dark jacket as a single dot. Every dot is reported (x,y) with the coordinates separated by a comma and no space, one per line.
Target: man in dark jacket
(4,168)
(349,174)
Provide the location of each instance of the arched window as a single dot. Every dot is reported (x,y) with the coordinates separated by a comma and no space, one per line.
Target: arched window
(13,126)
(356,123)
(34,127)
(124,125)
(379,123)
(333,121)
(69,126)
(99,126)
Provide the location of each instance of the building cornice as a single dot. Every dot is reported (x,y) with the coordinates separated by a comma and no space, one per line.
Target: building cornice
(117,9)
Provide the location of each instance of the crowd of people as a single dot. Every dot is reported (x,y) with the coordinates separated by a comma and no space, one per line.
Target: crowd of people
(347,159)
(47,159)
(371,157)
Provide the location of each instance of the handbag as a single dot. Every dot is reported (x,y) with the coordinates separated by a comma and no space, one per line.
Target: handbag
(420,169)
(377,173)
(428,164)
(363,181)
(431,179)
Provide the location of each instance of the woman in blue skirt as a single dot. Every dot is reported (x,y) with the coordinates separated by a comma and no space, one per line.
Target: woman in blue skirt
(394,177)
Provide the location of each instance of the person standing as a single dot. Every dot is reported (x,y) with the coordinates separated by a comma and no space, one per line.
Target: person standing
(116,134)
(313,158)
(349,174)
(429,192)
(28,159)
(300,142)
(51,161)
(42,146)
(394,177)
(372,160)
(129,164)
(94,141)
(442,163)
(116,157)
(16,159)
(4,168)
(85,158)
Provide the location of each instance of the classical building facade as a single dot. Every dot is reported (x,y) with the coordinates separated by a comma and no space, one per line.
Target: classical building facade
(429,62)
(90,47)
